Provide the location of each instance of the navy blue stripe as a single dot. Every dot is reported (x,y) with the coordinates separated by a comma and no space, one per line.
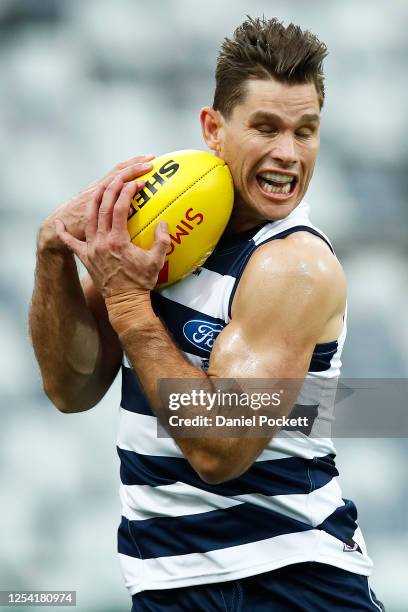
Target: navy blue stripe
(299,228)
(322,356)
(273,477)
(231,249)
(341,523)
(284,234)
(133,396)
(200,533)
(126,544)
(176,315)
(229,261)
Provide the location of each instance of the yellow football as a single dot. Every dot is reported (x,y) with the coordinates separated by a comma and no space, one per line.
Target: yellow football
(193,192)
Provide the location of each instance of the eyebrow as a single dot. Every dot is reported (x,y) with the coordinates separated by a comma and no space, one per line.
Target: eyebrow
(266,116)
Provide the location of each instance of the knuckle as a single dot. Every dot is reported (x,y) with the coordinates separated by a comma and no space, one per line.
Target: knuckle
(95,196)
(140,159)
(115,184)
(164,241)
(99,246)
(115,240)
(130,187)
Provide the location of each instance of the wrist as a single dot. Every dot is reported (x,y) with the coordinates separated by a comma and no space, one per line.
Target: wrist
(49,242)
(130,310)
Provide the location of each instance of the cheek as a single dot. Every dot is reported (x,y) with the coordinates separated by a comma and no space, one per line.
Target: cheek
(309,157)
(241,152)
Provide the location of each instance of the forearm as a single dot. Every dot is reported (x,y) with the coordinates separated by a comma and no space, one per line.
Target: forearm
(63,331)
(214,459)
(160,358)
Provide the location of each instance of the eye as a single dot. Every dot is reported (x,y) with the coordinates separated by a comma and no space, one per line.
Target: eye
(305,132)
(266,129)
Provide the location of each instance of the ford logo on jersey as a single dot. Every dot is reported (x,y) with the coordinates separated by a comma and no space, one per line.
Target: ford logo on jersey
(202,333)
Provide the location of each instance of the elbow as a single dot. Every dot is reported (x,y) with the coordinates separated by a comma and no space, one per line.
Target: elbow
(64,403)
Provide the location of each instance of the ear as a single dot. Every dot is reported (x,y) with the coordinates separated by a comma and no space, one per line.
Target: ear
(212,128)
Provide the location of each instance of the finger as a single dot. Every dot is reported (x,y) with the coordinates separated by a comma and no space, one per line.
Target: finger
(133,172)
(121,208)
(138,159)
(76,246)
(161,242)
(109,198)
(93,214)
(119,168)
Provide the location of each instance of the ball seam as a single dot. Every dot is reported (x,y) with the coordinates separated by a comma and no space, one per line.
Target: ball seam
(179,196)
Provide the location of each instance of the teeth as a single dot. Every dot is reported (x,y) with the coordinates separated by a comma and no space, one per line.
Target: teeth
(278,178)
(273,189)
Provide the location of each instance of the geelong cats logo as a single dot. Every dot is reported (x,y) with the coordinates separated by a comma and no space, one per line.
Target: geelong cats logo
(202,334)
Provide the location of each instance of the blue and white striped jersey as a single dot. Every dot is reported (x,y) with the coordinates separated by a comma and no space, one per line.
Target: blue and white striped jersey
(177,530)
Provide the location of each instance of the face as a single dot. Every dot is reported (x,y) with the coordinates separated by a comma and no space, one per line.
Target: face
(270,143)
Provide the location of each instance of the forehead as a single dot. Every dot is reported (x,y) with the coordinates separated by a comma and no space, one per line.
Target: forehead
(286,100)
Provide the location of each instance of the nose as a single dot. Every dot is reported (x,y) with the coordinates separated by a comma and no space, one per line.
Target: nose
(284,150)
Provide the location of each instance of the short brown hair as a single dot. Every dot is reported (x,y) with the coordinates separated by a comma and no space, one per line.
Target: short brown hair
(265,48)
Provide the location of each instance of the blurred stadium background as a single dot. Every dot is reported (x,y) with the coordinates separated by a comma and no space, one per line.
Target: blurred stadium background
(88,83)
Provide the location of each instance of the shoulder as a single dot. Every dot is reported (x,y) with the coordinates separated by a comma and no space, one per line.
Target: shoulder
(298,272)
(300,252)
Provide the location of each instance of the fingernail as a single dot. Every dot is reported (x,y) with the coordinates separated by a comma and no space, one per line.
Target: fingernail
(163,226)
(147,165)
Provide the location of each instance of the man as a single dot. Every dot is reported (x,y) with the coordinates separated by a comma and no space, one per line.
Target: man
(216,523)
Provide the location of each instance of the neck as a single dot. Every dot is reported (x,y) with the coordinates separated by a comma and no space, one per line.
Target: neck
(242,219)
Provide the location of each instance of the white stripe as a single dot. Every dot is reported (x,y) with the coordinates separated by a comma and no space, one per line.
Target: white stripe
(140,502)
(359,538)
(298,216)
(138,433)
(288,444)
(125,362)
(240,561)
(207,293)
(311,508)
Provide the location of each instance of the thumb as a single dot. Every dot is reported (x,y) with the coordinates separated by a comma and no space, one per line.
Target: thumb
(76,246)
(161,241)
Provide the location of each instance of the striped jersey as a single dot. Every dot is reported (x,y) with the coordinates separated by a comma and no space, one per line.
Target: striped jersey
(176,530)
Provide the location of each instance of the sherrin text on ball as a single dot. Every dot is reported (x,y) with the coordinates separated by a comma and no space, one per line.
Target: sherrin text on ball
(193,192)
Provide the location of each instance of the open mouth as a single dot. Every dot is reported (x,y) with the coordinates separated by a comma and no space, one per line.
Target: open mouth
(272,182)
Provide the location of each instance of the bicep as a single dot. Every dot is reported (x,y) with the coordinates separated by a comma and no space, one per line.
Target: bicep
(282,308)
(262,353)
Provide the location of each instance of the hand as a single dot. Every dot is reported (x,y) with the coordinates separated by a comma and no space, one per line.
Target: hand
(120,270)
(74,213)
